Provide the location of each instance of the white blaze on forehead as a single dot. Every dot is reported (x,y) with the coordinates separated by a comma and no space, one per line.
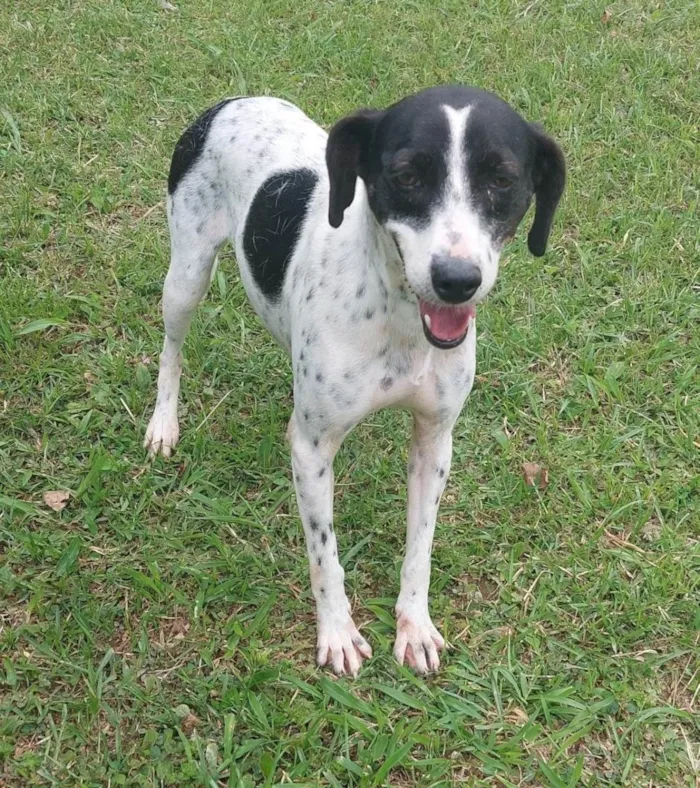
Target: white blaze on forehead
(456,160)
(461,230)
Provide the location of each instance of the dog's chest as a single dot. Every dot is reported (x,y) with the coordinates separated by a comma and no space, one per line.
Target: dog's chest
(424,379)
(366,373)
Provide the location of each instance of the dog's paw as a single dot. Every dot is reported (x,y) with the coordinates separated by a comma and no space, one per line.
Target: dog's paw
(418,643)
(162,433)
(341,647)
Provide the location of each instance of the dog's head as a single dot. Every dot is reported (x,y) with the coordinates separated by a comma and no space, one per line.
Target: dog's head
(449,172)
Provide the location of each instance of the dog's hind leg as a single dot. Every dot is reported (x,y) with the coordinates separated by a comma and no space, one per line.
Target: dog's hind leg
(194,242)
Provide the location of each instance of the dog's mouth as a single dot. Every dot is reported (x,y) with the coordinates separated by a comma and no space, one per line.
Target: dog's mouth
(446,326)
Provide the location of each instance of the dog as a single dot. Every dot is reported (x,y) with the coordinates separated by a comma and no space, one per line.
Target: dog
(365,252)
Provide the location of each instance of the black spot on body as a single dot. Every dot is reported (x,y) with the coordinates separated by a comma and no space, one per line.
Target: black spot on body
(324,537)
(330,527)
(313,523)
(273,226)
(441,472)
(191,144)
(321,472)
(369,314)
(319,377)
(386,383)
(319,561)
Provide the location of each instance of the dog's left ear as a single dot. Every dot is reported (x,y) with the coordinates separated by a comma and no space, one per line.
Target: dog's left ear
(346,157)
(549,177)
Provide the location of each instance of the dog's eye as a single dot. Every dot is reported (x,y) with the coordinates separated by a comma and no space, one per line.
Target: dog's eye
(502,182)
(408,180)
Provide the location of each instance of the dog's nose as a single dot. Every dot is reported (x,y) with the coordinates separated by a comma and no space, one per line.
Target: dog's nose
(454,279)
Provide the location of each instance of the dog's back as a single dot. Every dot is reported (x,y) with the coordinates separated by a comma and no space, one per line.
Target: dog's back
(224,157)
(245,172)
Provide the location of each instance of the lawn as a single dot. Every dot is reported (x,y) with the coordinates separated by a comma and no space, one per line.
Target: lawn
(158,629)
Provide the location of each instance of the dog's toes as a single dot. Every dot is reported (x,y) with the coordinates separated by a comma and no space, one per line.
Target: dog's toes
(418,644)
(161,435)
(343,649)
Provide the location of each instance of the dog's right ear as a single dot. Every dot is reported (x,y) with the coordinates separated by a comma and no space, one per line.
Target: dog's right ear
(549,177)
(346,157)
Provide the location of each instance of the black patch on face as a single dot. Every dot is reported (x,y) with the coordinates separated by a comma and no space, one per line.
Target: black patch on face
(500,155)
(191,144)
(273,226)
(408,169)
(402,153)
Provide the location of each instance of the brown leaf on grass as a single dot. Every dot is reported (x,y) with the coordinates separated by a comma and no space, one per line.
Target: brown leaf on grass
(651,532)
(56,499)
(535,474)
(607,16)
(189,723)
(517,716)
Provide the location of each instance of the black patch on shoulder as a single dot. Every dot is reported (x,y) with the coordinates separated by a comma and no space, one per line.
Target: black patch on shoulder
(273,226)
(191,144)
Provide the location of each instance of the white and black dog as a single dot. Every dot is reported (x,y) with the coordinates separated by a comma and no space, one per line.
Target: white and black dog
(365,253)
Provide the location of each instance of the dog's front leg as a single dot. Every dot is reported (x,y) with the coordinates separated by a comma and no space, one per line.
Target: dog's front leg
(417,640)
(339,642)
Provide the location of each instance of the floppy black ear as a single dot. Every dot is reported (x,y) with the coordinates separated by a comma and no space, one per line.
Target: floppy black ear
(549,177)
(346,155)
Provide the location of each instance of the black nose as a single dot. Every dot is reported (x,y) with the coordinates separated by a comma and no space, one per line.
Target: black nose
(454,279)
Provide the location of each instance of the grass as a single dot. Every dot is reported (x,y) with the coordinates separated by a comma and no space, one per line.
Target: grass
(158,630)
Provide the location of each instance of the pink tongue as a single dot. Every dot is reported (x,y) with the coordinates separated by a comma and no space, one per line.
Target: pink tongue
(447,322)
